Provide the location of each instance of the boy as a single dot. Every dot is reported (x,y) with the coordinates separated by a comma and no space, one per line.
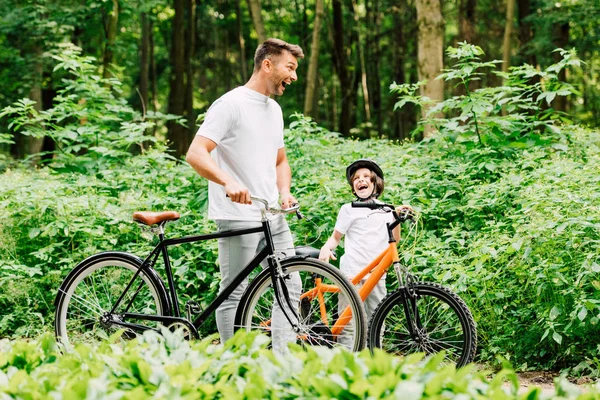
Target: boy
(365,229)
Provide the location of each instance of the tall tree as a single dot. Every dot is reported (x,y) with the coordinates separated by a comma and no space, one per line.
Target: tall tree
(311,77)
(242,42)
(506,46)
(178,134)
(145,61)
(373,57)
(361,57)
(561,40)
(256,10)
(466,20)
(525,32)
(344,70)
(111,20)
(189,67)
(403,120)
(430,52)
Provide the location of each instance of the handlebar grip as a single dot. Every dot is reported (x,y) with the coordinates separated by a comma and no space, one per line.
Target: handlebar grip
(362,204)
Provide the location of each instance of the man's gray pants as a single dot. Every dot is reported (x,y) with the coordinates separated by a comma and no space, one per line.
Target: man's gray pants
(234,254)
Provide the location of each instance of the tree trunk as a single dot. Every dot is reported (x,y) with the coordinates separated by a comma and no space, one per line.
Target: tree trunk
(430,52)
(466,21)
(341,63)
(145,63)
(404,119)
(189,68)
(111,24)
(240,32)
(361,56)
(311,78)
(154,78)
(525,32)
(373,55)
(561,40)
(506,47)
(178,135)
(255,10)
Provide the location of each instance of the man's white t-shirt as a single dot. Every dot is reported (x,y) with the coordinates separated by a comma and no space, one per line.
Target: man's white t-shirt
(365,236)
(247,127)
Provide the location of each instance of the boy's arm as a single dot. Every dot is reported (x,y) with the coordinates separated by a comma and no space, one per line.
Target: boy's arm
(327,249)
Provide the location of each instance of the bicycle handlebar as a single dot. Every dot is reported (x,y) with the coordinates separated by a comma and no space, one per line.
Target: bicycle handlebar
(371,205)
(274,210)
(404,216)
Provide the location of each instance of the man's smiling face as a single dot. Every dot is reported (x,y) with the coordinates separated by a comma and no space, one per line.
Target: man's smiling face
(283,72)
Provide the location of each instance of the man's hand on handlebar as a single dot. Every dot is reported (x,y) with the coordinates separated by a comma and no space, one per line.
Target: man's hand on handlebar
(288,201)
(237,193)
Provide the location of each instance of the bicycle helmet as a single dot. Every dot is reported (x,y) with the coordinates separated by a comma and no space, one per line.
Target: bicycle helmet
(370,165)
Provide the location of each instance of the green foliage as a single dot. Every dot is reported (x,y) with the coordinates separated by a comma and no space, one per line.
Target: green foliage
(511,226)
(513,231)
(92,127)
(82,201)
(168,367)
(516,114)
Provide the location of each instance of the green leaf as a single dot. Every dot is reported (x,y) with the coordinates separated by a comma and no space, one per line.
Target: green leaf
(557,337)
(582,313)
(555,312)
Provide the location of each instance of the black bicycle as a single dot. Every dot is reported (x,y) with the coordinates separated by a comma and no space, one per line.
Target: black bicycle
(117,290)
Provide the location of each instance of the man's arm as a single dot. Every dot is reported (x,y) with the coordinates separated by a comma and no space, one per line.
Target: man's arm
(284,179)
(198,156)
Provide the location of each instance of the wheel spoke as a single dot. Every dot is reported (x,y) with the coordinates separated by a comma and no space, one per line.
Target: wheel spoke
(441,319)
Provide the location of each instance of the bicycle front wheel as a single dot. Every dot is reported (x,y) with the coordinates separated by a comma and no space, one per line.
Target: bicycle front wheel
(329,312)
(88,294)
(433,320)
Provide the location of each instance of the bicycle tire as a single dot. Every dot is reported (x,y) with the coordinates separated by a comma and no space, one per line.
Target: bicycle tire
(444,322)
(89,291)
(255,308)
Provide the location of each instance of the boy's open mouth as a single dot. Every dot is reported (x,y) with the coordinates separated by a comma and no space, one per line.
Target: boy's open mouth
(363,186)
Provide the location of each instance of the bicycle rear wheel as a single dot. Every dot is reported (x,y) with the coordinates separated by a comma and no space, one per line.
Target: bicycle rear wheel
(441,319)
(89,292)
(317,315)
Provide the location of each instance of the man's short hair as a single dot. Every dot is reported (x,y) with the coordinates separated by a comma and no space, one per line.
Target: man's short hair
(274,47)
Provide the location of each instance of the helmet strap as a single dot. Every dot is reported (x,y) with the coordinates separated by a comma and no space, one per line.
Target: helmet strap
(373,195)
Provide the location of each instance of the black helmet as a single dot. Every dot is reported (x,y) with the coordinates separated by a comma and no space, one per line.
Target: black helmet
(363,163)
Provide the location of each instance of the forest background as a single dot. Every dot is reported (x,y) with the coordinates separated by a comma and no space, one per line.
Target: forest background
(499,157)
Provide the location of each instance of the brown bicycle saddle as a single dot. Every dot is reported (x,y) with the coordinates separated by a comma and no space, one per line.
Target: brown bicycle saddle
(151,217)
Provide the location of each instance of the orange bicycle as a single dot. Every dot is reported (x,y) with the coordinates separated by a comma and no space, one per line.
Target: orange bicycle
(416,317)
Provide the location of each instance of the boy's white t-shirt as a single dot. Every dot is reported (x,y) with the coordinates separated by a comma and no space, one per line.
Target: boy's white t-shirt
(247,127)
(365,236)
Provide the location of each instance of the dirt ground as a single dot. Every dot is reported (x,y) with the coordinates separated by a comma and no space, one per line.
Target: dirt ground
(544,380)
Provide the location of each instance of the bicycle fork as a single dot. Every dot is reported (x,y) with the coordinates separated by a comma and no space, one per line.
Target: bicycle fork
(409,302)
(281,289)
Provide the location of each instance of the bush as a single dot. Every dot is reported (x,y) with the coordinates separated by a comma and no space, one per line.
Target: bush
(167,367)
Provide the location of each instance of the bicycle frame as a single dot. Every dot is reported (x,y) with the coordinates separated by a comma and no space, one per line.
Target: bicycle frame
(266,252)
(378,267)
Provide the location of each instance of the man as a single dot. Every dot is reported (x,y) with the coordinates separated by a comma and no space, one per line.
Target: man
(244,132)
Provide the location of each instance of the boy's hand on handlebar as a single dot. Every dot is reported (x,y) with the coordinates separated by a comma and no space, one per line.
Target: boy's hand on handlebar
(237,193)
(405,213)
(326,254)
